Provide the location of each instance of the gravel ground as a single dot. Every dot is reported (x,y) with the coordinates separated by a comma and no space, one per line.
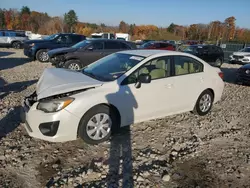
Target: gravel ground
(178,151)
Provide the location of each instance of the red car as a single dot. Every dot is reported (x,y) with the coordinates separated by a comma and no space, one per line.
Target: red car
(158,46)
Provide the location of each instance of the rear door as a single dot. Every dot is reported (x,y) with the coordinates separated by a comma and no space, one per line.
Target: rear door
(188,82)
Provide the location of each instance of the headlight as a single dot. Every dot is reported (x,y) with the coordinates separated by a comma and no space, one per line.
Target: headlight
(54,105)
(231,56)
(33,44)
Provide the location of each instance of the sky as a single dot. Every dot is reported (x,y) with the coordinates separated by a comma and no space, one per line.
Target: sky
(156,12)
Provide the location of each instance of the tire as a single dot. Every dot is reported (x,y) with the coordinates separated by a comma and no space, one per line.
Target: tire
(218,62)
(90,115)
(42,55)
(198,109)
(73,64)
(16,45)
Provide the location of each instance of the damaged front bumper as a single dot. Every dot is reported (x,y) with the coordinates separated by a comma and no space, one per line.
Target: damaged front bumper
(54,127)
(57,61)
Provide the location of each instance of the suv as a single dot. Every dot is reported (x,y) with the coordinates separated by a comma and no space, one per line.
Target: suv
(38,49)
(240,57)
(158,46)
(12,38)
(86,52)
(212,54)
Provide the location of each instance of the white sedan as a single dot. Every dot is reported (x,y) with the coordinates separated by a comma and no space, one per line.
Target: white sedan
(121,89)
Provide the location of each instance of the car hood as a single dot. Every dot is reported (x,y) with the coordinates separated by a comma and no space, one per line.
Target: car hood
(247,66)
(241,53)
(56,51)
(55,81)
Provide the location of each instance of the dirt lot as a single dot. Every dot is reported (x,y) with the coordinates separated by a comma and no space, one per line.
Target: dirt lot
(178,151)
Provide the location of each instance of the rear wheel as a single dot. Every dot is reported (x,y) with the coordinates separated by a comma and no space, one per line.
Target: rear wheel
(73,64)
(16,45)
(204,103)
(218,62)
(42,56)
(95,126)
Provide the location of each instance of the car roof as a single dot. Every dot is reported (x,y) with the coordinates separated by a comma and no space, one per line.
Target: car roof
(102,39)
(147,53)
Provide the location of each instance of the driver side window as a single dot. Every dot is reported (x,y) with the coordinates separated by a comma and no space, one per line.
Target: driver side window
(157,68)
(97,46)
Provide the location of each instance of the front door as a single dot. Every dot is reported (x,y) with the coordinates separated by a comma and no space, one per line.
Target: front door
(151,100)
(91,53)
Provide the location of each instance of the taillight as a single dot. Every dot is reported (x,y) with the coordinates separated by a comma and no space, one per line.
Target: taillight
(221,74)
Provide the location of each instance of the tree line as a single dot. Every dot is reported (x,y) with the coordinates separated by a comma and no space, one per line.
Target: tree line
(42,23)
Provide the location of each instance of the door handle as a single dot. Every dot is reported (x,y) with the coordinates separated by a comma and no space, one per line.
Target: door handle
(101,53)
(202,79)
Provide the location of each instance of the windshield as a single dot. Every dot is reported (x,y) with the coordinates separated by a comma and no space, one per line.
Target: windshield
(81,44)
(111,67)
(245,50)
(50,37)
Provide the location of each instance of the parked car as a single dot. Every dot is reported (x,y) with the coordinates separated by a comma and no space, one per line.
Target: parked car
(120,89)
(158,46)
(12,38)
(240,57)
(86,52)
(212,54)
(38,49)
(243,75)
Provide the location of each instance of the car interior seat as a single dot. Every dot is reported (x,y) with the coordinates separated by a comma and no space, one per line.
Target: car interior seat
(159,71)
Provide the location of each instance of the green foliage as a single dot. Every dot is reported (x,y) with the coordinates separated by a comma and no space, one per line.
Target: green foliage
(171,28)
(25,10)
(70,19)
(2,19)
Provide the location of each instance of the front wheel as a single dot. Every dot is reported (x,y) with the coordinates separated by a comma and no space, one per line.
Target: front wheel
(95,126)
(16,45)
(204,103)
(42,56)
(73,64)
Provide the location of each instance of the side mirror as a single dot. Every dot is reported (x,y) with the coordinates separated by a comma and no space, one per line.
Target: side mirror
(143,78)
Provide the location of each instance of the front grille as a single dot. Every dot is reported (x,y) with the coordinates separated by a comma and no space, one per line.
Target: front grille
(238,56)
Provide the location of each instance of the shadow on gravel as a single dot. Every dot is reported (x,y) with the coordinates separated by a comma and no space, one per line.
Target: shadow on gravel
(3,54)
(120,160)
(229,74)
(193,173)
(14,87)
(8,63)
(10,121)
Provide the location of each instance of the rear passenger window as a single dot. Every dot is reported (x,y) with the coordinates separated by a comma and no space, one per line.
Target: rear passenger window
(10,34)
(112,45)
(1,33)
(76,38)
(187,65)
(163,45)
(124,46)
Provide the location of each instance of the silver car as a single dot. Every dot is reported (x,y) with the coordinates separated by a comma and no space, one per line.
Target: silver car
(11,38)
